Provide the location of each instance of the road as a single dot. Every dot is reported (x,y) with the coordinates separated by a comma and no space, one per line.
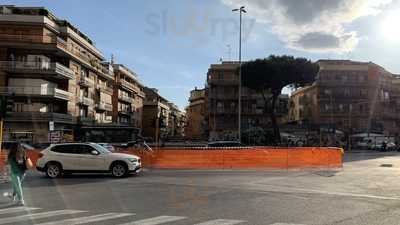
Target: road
(365,191)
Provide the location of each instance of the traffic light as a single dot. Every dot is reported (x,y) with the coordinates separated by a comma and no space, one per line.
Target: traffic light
(10,104)
(6,105)
(3,106)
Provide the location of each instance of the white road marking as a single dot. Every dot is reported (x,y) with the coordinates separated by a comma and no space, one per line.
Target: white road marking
(156,220)
(286,189)
(37,216)
(88,219)
(287,224)
(16,209)
(221,222)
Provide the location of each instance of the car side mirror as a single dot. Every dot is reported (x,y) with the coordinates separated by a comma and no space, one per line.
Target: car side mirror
(94,152)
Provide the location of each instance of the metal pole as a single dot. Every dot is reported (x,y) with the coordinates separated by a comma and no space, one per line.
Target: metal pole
(240,78)
(1,133)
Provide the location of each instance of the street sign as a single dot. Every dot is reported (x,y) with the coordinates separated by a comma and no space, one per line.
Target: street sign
(51,125)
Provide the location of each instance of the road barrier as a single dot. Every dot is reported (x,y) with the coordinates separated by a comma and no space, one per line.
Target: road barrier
(229,158)
(241,158)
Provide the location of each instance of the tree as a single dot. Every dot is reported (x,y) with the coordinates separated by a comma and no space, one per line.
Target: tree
(270,75)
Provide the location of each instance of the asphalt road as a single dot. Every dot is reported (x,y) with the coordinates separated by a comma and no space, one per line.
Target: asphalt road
(365,191)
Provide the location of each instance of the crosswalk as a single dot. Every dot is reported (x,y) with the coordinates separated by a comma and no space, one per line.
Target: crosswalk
(29,215)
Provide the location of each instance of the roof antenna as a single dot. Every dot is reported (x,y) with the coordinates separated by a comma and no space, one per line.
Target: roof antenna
(112,59)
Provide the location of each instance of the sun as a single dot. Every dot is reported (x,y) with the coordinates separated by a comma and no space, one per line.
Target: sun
(390,26)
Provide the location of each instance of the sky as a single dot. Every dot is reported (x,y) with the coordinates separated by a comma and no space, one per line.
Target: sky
(170,44)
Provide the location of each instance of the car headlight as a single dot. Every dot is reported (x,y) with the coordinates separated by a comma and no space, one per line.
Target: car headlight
(133,160)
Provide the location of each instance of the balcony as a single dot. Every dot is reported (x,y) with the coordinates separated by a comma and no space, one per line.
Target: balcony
(37,92)
(125,98)
(130,86)
(29,39)
(44,68)
(85,58)
(102,106)
(84,101)
(85,120)
(39,117)
(126,112)
(86,82)
(105,89)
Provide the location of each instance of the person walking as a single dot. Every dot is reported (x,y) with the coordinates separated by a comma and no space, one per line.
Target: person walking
(19,163)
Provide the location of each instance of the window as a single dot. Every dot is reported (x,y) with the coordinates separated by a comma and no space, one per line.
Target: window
(85,149)
(220,76)
(341,107)
(363,92)
(67,149)
(346,92)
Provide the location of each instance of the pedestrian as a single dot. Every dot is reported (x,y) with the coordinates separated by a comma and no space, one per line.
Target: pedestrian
(19,163)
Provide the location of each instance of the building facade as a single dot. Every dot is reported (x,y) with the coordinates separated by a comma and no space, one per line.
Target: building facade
(351,96)
(156,115)
(197,121)
(62,88)
(223,85)
(128,97)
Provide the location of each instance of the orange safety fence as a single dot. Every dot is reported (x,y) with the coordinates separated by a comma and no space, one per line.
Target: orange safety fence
(229,158)
(241,158)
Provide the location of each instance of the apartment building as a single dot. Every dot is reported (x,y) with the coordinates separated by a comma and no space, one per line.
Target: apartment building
(61,86)
(197,121)
(350,96)
(156,113)
(223,85)
(176,123)
(128,97)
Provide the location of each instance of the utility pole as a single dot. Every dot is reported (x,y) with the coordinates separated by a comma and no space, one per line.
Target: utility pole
(241,10)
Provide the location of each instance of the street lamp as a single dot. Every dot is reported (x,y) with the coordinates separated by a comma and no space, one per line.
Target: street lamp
(240,10)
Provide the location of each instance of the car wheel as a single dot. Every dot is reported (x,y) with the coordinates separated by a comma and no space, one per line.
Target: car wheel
(119,170)
(53,170)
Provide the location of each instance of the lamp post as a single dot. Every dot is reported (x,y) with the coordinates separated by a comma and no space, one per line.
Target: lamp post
(240,10)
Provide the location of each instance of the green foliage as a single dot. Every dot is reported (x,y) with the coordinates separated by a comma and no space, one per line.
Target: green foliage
(276,72)
(270,75)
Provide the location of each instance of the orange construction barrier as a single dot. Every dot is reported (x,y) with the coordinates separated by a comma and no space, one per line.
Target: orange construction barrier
(230,158)
(241,158)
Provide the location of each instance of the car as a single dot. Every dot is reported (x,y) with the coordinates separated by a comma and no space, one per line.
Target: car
(41,145)
(108,146)
(224,144)
(60,159)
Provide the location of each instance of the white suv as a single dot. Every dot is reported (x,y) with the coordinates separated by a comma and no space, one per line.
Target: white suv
(85,158)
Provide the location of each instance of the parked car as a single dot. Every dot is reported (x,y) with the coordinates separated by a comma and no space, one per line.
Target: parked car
(108,146)
(85,158)
(225,144)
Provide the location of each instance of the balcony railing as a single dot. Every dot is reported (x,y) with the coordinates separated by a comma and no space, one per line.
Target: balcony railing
(37,39)
(125,98)
(37,91)
(39,117)
(85,81)
(37,67)
(92,61)
(85,120)
(85,101)
(103,106)
(105,88)
(125,111)
(130,86)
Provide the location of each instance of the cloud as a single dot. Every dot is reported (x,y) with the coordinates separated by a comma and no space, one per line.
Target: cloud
(312,25)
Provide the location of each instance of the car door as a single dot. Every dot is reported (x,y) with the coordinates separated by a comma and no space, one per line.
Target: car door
(88,161)
(66,155)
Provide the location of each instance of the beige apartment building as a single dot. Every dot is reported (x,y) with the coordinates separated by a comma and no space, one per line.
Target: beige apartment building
(57,79)
(128,97)
(197,121)
(352,96)
(222,100)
